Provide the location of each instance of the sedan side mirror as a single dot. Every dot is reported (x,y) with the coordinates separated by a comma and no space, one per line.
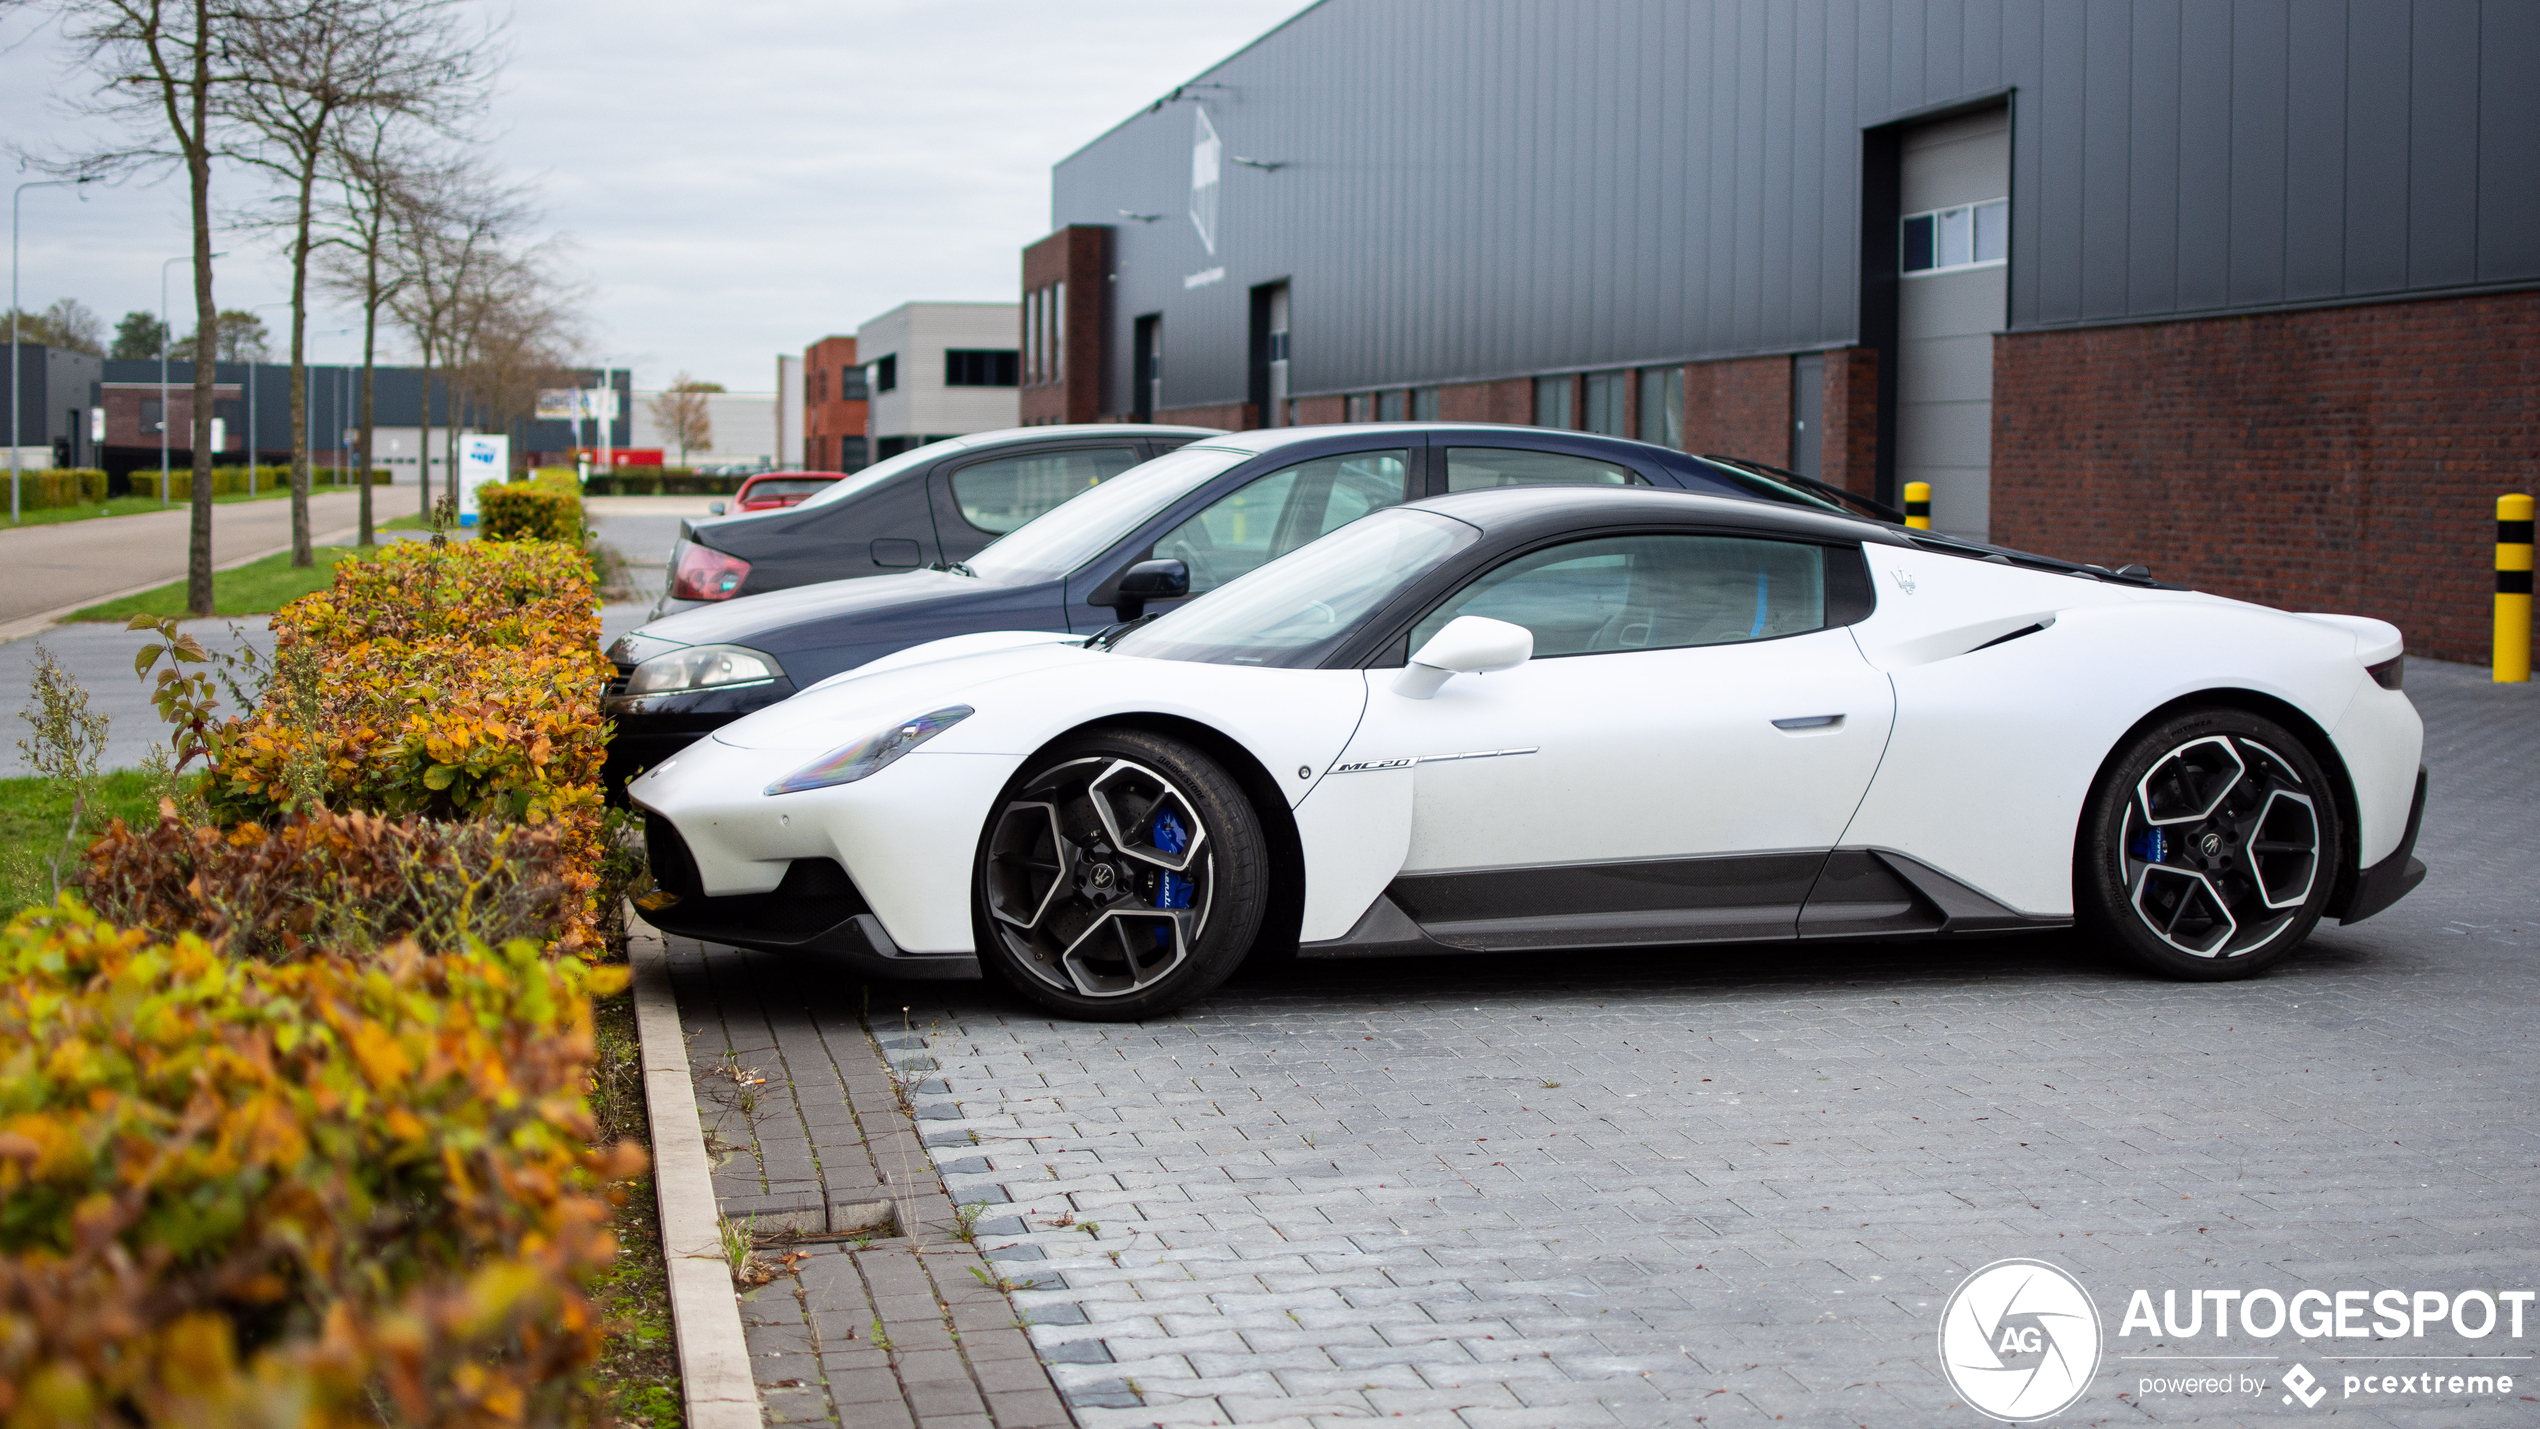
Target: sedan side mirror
(714,508)
(1469,645)
(1150,580)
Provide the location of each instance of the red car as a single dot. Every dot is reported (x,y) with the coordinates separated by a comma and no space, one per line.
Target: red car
(770,490)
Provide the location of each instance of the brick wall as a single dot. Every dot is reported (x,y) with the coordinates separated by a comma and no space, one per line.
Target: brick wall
(2346,459)
(1740,407)
(1849,454)
(827,417)
(1080,257)
(1511,401)
(1233,416)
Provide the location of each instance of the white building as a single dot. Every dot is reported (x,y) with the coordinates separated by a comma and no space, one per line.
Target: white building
(741,430)
(937,370)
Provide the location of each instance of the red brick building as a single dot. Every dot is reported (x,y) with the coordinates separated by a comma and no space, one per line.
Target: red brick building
(833,407)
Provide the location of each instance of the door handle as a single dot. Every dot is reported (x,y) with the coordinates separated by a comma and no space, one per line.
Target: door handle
(1809,722)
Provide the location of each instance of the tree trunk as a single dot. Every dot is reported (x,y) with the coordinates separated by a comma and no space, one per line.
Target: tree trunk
(301,552)
(423,434)
(198,174)
(370,357)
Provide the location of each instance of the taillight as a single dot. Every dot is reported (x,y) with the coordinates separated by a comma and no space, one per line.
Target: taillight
(704,573)
(2390,674)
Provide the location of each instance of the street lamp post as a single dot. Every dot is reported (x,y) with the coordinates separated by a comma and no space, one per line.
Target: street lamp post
(13,322)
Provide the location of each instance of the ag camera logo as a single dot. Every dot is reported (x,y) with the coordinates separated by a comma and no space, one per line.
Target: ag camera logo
(2019,1340)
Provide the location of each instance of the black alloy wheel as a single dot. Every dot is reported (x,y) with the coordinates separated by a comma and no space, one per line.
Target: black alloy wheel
(2210,847)
(1122,875)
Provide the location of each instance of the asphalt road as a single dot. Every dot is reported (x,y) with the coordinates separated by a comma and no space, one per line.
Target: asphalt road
(75,563)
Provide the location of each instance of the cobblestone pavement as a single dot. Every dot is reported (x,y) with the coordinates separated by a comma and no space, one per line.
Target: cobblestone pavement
(1735,1185)
(879,1309)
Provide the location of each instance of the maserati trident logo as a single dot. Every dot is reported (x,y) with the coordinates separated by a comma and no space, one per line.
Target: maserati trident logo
(1204,151)
(1099,875)
(2019,1340)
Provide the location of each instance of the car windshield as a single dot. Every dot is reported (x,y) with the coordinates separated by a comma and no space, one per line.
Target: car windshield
(1083,527)
(1293,611)
(874,475)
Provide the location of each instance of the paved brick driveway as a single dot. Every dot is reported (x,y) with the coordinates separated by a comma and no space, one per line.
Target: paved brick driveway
(1731,1186)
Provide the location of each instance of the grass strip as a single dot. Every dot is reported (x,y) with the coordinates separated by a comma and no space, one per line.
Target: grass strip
(258,588)
(33,814)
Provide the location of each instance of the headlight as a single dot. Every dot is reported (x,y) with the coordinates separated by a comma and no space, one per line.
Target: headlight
(702,667)
(868,756)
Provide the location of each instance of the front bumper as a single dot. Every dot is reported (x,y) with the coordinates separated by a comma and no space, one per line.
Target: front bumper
(816,910)
(2393,878)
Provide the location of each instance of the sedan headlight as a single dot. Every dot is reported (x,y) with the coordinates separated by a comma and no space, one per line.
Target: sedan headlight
(703,667)
(870,755)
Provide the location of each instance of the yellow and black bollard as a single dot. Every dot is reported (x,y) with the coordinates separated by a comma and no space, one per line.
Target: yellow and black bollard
(1918,506)
(2513,590)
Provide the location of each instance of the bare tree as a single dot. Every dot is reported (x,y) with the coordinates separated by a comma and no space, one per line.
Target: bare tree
(444,234)
(307,65)
(162,70)
(682,411)
(375,179)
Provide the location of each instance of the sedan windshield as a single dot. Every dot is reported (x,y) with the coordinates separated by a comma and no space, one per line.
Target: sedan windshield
(1292,612)
(1083,527)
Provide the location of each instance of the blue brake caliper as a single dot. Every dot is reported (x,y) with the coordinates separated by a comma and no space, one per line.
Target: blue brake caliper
(2151,846)
(1173,890)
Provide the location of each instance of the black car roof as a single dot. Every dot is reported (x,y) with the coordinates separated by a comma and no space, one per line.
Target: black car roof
(1509,510)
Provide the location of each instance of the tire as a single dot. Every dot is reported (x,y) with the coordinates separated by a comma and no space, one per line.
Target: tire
(2209,848)
(1121,875)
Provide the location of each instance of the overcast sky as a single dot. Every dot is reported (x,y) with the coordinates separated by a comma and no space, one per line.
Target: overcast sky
(734,180)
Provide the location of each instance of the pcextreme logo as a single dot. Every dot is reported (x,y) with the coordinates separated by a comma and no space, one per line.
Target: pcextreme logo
(2019,1340)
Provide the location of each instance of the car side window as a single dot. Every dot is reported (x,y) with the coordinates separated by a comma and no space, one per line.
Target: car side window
(997,496)
(1617,593)
(1272,515)
(1480,468)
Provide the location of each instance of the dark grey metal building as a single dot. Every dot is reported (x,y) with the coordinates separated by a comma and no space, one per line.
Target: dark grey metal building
(1407,207)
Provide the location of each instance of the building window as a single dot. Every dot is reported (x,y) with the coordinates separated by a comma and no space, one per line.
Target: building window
(1362,407)
(1662,407)
(1946,240)
(1058,332)
(851,454)
(851,384)
(1552,401)
(886,372)
(1605,392)
(980,367)
(1424,404)
(150,411)
(1389,406)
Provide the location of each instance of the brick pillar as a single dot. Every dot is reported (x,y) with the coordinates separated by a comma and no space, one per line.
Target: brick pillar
(1848,455)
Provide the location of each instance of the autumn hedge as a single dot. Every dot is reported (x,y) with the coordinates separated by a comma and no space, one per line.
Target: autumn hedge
(315,1148)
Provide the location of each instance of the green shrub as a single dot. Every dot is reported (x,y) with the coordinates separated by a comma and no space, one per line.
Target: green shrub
(526,511)
(61,487)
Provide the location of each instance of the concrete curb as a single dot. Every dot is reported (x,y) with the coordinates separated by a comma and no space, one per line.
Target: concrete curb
(705,1312)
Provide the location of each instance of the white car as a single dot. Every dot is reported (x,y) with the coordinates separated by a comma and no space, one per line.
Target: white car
(1565,719)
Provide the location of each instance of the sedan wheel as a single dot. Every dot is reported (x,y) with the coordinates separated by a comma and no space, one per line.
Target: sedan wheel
(1121,876)
(2211,846)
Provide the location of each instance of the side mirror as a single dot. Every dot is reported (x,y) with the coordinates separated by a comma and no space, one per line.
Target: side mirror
(714,508)
(1469,645)
(1150,580)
